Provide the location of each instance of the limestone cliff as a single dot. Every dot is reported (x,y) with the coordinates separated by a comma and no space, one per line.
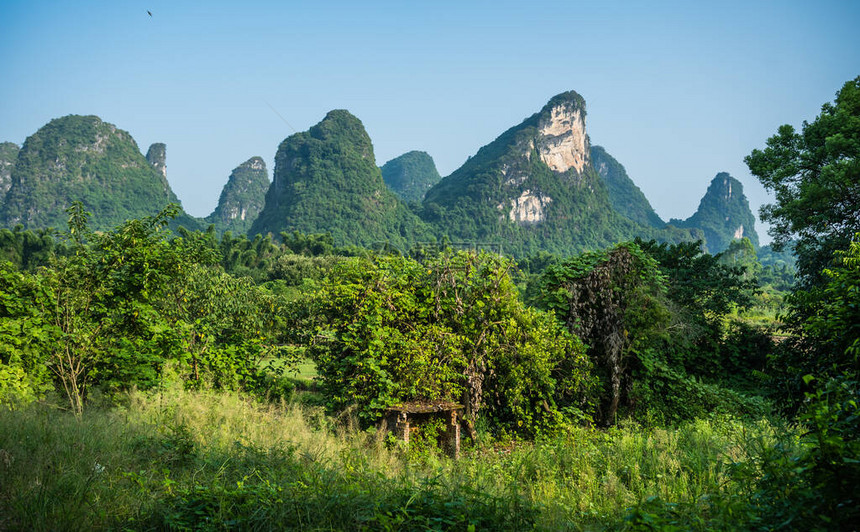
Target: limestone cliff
(562,143)
(156,156)
(242,198)
(8,156)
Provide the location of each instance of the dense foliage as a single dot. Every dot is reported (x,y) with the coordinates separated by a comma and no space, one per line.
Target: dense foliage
(122,307)
(411,175)
(392,330)
(815,176)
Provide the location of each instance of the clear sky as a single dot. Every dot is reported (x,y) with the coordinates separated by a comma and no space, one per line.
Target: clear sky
(676,91)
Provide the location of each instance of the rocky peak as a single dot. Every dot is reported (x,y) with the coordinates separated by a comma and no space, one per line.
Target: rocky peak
(242,198)
(562,142)
(723,214)
(157,157)
(326,181)
(411,175)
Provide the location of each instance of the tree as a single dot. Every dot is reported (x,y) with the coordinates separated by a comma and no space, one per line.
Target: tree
(815,175)
(826,320)
(392,329)
(741,254)
(703,290)
(615,301)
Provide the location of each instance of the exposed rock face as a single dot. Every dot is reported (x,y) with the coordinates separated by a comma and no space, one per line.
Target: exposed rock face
(529,208)
(723,214)
(326,181)
(625,196)
(411,175)
(242,198)
(533,188)
(562,142)
(156,156)
(8,156)
(85,159)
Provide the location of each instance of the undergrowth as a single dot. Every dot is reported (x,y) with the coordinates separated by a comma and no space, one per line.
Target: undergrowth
(183,460)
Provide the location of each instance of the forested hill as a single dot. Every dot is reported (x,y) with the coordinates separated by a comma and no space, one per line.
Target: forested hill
(540,186)
(625,196)
(535,188)
(326,181)
(242,198)
(83,158)
(411,175)
(723,215)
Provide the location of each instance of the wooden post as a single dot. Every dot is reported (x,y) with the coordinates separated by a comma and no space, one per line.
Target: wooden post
(453,435)
(403,427)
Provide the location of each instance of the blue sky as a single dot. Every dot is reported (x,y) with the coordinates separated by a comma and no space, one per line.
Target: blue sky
(676,91)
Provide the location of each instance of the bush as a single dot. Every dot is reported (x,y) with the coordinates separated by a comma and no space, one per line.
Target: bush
(392,329)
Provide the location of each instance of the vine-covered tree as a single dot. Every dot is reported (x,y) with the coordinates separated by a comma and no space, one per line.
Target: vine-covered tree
(615,301)
(391,329)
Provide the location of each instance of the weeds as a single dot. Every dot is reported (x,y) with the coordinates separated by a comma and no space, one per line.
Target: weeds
(201,460)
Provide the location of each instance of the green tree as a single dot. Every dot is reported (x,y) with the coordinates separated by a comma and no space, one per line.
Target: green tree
(815,175)
(391,330)
(826,323)
(741,254)
(615,301)
(25,334)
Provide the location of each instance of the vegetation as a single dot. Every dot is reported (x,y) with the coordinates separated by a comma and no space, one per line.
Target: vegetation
(815,176)
(121,306)
(625,196)
(411,175)
(242,198)
(723,215)
(393,330)
(198,459)
(326,181)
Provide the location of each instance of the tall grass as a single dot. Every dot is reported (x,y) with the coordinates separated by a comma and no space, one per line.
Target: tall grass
(203,460)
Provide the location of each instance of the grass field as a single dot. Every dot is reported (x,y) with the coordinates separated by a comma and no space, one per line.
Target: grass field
(214,461)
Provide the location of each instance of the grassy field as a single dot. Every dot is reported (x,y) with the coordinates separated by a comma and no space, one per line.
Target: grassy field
(217,461)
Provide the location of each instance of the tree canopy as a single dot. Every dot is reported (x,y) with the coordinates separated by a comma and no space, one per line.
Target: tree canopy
(815,175)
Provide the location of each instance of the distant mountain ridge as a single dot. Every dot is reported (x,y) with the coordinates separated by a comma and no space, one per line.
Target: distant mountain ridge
(540,186)
(535,188)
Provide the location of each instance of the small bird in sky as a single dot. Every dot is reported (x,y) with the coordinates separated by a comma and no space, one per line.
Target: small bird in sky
(148,12)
